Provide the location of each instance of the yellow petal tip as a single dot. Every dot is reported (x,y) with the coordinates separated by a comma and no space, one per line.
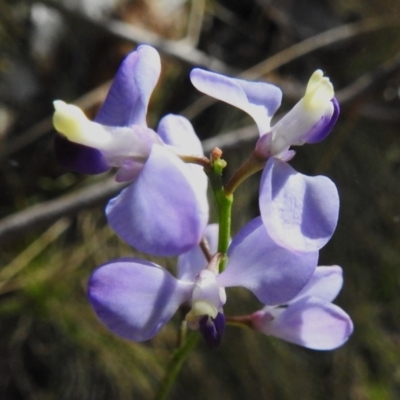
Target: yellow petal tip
(319,91)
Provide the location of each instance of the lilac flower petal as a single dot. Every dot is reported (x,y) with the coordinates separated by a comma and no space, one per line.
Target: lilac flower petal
(299,212)
(325,283)
(193,262)
(162,212)
(135,298)
(177,131)
(79,158)
(128,98)
(310,322)
(212,329)
(259,99)
(128,171)
(273,273)
(129,143)
(320,131)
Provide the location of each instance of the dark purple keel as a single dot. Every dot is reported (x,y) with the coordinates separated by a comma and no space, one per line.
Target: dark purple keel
(322,129)
(212,329)
(79,158)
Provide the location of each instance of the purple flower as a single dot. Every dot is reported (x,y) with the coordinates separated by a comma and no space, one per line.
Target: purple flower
(119,131)
(164,211)
(309,319)
(135,298)
(299,212)
(309,121)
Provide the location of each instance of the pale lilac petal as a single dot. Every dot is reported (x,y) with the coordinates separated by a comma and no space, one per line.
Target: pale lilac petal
(79,158)
(135,298)
(191,263)
(162,212)
(177,131)
(273,273)
(325,125)
(128,171)
(259,99)
(129,143)
(299,212)
(325,283)
(310,322)
(128,98)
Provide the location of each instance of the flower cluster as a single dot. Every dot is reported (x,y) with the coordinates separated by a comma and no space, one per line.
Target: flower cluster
(164,211)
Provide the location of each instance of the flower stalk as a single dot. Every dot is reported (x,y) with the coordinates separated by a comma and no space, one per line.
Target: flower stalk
(175,365)
(252,165)
(224,205)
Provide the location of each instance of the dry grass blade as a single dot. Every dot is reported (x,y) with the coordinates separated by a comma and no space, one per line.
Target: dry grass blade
(32,251)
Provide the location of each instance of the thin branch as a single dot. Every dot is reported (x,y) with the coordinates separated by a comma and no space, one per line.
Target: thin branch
(133,34)
(195,22)
(49,211)
(370,81)
(298,50)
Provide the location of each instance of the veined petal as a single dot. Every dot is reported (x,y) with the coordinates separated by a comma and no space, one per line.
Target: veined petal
(259,99)
(135,298)
(191,263)
(273,273)
(163,212)
(79,158)
(309,322)
(127,101)
(325,283)
(299,212)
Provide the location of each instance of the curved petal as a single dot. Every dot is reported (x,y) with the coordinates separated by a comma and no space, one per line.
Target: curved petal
(193,262)
(135,298)
(177,131)
(79,158)
(259,99)
(320,131)
(274,274)
(128,98)
(299,212)
(310,322)
(325,283)
(162,212)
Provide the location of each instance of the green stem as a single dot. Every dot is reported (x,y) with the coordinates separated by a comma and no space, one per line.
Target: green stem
(175,364)
(224,203)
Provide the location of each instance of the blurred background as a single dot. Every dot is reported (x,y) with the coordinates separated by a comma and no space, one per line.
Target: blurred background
(53,232)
